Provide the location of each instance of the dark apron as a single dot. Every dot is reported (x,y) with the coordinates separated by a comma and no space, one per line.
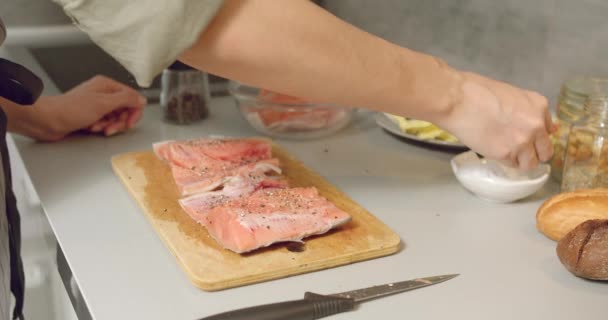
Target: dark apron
(10,216)
(5,256)
(21,86)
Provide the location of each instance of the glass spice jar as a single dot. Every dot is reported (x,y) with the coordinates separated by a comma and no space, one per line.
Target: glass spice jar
(185,94)
(586,158)
(570,106)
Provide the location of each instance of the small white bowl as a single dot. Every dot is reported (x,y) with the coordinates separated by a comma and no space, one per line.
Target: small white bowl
(495,182)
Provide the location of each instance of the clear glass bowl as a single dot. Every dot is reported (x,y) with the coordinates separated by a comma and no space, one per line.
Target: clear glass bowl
(288,117)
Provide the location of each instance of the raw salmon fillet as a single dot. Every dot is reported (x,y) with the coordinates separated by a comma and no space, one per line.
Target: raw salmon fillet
(296,120)
(242,185)
(196,152)
(230,189)
(191,181)
(205,164)
(292,113)
(271,96)
(161,149)
(269,216)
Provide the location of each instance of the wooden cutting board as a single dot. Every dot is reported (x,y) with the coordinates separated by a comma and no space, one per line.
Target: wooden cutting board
(210,267)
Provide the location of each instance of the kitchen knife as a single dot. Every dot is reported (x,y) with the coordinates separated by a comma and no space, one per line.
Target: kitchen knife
(316,306)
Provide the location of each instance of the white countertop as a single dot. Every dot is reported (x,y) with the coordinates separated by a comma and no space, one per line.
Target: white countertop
(124,271)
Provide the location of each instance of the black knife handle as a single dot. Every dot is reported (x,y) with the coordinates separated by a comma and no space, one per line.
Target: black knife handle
(313,306)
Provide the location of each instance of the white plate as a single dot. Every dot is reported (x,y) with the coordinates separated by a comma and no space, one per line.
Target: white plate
(389,125)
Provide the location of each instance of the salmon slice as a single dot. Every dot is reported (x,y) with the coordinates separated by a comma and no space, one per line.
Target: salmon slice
(209,153)
(276,97)
(231,190)
(269,216)
(293,113)
(296,119)
(161,149)
(191,181)
(204,164)
(197,206)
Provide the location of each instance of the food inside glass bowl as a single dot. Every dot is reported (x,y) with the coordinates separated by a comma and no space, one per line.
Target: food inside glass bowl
(286,116)
(422,129)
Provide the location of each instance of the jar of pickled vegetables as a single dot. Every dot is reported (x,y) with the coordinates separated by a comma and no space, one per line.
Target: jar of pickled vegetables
(586,158)
(570,105)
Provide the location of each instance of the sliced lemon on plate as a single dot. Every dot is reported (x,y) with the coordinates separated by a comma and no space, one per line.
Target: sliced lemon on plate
(422,129)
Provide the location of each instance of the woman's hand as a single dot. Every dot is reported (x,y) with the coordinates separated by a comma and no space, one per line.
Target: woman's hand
(501,122)
(97,105)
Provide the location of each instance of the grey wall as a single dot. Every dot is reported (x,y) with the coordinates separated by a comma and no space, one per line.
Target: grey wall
(531,43)
(31,13)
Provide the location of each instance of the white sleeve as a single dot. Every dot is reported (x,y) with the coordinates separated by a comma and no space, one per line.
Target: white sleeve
(145,36)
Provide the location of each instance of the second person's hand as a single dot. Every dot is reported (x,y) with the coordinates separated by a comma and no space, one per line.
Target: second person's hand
(99,105)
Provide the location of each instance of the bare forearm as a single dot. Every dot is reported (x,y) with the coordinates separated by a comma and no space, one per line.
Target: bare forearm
(299,49)
(19,117)
(26,120)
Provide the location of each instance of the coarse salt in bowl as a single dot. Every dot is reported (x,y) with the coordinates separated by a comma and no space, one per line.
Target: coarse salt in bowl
(283,116)
(495,182)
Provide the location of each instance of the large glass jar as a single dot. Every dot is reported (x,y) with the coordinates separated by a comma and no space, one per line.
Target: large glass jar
(570,103)
(586,159)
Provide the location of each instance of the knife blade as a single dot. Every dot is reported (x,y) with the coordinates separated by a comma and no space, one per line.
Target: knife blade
(316,306)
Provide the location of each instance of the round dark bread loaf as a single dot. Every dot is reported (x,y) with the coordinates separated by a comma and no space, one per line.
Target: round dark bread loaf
(584,250)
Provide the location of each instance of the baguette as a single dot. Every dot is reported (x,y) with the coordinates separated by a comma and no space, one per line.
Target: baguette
(563,212)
